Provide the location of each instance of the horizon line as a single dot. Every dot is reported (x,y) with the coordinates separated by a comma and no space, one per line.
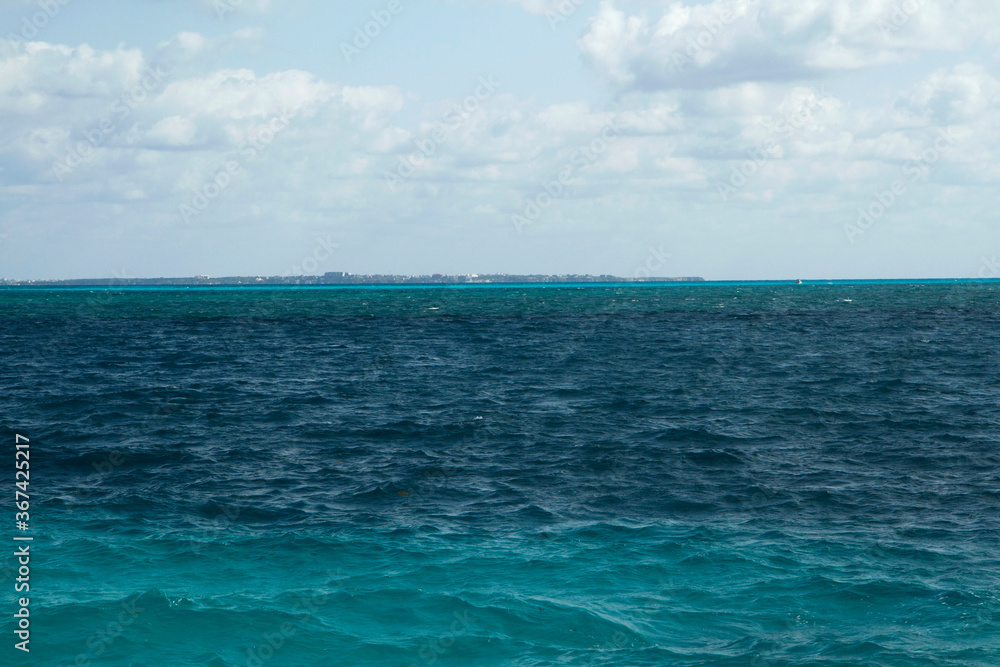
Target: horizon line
(198,282)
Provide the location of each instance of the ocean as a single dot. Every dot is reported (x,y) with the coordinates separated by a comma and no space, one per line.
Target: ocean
(630,475)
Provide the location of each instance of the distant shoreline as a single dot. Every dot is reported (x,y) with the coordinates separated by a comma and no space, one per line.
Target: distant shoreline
(342,279)
(360,282)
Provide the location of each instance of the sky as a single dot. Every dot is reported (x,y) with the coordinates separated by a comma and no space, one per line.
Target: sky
(729,139)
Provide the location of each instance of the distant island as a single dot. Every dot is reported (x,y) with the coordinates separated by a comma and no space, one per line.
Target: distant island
(341,278)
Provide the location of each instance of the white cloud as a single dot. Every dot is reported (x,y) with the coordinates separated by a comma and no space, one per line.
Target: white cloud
(540,7)
(55,95)
(46,69)
(957,95)
(173,131)
(731,41)
(228,7)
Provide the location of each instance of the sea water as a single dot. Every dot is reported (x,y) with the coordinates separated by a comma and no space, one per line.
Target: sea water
(762,475)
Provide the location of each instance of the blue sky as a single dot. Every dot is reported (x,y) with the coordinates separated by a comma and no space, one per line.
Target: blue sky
(732,139)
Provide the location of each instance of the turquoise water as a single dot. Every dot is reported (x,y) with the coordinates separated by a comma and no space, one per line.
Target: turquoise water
(715,474)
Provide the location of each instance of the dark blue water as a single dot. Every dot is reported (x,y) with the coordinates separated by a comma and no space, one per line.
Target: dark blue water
(606,475)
